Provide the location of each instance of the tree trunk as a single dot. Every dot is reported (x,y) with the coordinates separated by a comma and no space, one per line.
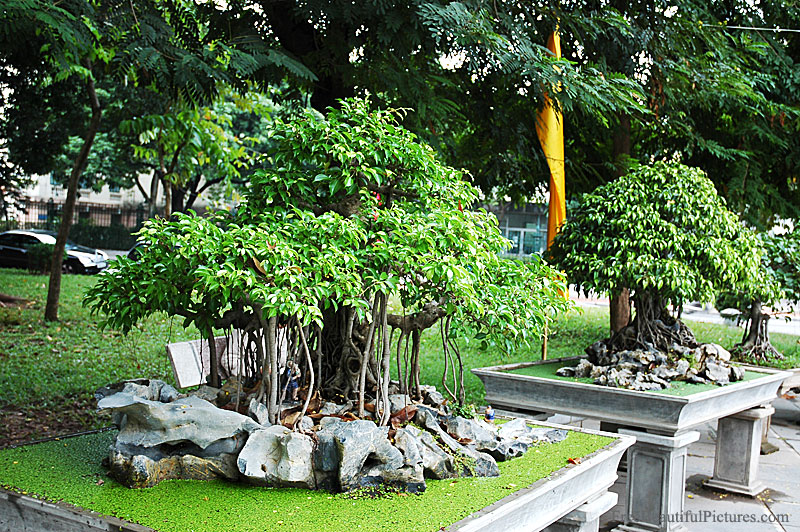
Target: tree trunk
(620,310)
(54,288)
(153,200)
(620,305)
(756,343)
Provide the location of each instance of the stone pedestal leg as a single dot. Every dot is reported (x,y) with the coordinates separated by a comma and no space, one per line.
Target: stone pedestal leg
(738,450)
(656,481)
(586,517)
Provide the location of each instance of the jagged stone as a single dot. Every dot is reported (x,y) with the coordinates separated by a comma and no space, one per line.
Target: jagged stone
(357,442)
(398,402)
(437,464)
(476,464)
(717,373)
(717,351)
(259,412)
(548,435)
(434,399)
(206,393)
(737,373)
(151,423)
(566,371)
(139,471)
(276,456)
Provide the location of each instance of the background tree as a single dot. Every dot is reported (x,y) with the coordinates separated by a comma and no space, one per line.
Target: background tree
(670,240)
(352,213)
(165,47)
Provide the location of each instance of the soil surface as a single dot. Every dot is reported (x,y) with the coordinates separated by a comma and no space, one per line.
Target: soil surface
(29,423)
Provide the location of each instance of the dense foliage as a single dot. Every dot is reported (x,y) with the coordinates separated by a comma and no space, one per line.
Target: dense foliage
(351,213)
(664,233)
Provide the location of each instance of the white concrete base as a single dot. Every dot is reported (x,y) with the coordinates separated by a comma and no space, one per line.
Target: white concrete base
(738,450)
(656,481)
(586,517)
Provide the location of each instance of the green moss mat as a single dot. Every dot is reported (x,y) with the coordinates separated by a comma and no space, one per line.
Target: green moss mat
(678,388)
(69,470)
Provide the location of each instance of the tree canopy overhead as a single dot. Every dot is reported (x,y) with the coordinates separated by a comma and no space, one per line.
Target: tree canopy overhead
(352,212)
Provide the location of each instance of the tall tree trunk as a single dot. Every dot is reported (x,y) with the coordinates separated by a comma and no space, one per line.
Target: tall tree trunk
(620,310)
(620,304)
(54,288)
(153,199)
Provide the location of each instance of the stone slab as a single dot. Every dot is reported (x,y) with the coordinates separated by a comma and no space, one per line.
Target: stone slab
(191,360)
(20,513)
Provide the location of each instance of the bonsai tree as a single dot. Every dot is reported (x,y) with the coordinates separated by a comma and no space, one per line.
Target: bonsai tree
(781,270)
(663,232)
(353,231)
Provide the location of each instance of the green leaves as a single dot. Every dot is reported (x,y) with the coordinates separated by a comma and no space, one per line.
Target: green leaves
(660,230)
(351,207)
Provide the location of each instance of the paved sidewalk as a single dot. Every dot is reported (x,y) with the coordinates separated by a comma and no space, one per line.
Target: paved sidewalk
(780,471)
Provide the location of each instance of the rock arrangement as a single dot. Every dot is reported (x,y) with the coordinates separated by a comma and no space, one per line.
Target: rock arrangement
(166,435)
(649,369)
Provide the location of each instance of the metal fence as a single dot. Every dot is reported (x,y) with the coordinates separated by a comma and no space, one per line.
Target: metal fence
(97,225)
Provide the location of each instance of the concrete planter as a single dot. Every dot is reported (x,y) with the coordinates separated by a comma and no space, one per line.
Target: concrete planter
(551,499)
(576,494)
(651,411)
(662,425)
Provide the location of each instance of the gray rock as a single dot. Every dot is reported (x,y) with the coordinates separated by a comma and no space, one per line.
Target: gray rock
(206,393)
(139,471)
(480,433)
(306,424)
(437,464)
(508,449)
(516,428)
(737,373)
(718,351)
(169,394)
(151,423)
(566,371)
(276,456)
(476,464)
(434,399)
(328,408)
(717,373)
(398,402)
(584,368)
(358,441)
(259,412)
(548,435)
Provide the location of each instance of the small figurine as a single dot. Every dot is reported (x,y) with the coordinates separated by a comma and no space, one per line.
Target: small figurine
(292,374)
(488,415)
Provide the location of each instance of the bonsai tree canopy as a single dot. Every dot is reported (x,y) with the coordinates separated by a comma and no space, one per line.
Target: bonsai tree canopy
(662,232)
(352,231)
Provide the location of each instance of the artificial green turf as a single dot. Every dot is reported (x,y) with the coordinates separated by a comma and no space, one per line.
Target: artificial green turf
(677,388)
(69,470)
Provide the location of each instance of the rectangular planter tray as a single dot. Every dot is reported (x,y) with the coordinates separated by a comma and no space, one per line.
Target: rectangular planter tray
(532,508)
(655,412)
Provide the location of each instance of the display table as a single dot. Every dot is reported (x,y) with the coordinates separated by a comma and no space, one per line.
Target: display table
(662,425)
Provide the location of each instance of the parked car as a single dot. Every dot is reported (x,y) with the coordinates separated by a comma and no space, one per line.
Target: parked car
(14,246)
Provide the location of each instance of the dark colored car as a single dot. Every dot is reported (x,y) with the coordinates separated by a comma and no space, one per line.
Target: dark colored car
(14,246)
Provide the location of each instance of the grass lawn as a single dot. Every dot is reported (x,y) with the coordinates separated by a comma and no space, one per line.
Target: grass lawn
(49,371)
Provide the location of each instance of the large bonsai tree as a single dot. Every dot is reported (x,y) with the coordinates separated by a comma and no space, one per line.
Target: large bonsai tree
(354,232)
(663,232)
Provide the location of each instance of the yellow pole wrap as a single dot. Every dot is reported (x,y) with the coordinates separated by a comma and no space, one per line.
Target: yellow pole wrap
(550,130)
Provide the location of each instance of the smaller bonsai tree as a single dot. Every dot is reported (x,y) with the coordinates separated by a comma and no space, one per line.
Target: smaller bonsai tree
(662,232)
(781,268)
